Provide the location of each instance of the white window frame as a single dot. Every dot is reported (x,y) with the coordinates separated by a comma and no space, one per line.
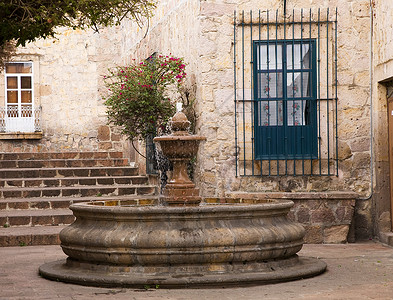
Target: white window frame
(23,121)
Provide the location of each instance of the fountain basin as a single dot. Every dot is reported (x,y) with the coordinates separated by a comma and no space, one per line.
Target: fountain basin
(183,147)
(180,148)
(210,244)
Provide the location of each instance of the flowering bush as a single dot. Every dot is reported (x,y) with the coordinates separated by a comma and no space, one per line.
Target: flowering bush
(143,95)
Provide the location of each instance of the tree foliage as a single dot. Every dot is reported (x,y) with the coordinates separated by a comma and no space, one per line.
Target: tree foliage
(23,21)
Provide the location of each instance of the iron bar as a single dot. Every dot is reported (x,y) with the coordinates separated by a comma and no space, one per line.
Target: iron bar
(277,111)
(282,23)
(293,88)
(327,91)
(319,94)
(252,97)
(335,85)
(244,113)
(234,85)
(257,66)
(285,111)
(310,62)
(251,100)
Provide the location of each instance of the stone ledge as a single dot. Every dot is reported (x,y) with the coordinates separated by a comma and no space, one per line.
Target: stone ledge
(21,135)
(334,195)
(386,238)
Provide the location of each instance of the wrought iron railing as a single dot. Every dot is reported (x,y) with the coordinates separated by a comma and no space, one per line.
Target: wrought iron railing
(285,93)
(24,118)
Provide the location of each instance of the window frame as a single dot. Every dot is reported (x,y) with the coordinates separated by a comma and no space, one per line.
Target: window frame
(19,104)
(281,133)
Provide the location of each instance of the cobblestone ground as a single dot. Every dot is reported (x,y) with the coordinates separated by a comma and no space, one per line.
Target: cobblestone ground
(355,271)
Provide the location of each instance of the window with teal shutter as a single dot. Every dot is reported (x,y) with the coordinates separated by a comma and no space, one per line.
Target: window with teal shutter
(286,92)
(285,112)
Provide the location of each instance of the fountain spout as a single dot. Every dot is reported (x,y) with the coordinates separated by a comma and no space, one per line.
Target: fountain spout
(180,147)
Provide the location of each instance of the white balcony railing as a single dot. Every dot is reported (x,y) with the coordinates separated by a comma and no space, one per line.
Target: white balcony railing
(14,118)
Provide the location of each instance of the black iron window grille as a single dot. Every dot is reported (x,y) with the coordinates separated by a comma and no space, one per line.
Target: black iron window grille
(285,81)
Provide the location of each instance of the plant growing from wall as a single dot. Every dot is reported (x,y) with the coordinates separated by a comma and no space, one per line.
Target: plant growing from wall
(142,95)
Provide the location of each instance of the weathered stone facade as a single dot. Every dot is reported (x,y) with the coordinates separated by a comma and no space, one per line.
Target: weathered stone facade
(358,171)
(70,88)
(381,83)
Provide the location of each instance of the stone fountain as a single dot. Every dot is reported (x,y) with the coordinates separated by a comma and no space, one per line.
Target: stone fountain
(180,147)
(185,241)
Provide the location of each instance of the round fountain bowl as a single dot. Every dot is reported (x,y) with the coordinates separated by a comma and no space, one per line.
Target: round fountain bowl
(222,244)
(179,146)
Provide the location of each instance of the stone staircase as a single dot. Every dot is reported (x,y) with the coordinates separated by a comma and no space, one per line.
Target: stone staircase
(36,190)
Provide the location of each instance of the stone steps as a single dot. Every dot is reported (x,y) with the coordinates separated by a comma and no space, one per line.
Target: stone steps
(68,172)
(38,221)
(59,155)
(64,202)
(34,217)
(61,163)
(74,181)
(30,236)
(39,203)
(76,191)
(36,190)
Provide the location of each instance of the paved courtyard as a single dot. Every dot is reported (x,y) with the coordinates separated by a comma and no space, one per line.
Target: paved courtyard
(355,271)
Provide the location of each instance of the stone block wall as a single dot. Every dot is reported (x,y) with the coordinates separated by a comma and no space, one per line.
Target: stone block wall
(382,83)
(104,138)
(212,64)
(217,105)
(326,217)
(68,86)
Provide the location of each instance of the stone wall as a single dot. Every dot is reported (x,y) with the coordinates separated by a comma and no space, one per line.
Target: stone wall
(209,25)
(217,100)
(326,217)
(68,86)
(382,81)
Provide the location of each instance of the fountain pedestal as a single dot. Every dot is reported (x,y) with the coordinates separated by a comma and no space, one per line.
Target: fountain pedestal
(180,147)
(185,194)
(180,190)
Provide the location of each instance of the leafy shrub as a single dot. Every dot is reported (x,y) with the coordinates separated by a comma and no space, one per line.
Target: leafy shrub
(142,95)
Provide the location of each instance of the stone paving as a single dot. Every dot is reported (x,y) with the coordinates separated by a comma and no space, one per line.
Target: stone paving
(355,271)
